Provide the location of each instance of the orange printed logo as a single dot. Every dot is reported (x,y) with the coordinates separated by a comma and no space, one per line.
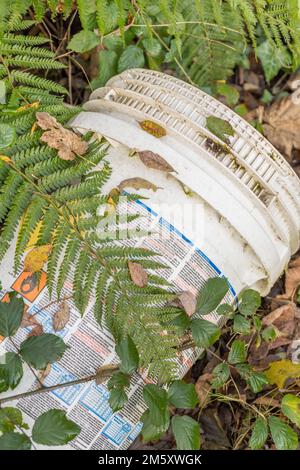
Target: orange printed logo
(29,285)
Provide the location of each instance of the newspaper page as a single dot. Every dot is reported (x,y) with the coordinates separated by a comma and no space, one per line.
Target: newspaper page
(91,346)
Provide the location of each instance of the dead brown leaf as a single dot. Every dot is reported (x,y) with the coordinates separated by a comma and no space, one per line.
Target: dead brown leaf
(203,388)
(292,278)
(45,121)
(267,401)
(66,142)
(153,128)
(188,302)
(61,317)
(36,331)
(137,183)
(138,274)
(155,161)
(28,320)
(283,319)
(281,124)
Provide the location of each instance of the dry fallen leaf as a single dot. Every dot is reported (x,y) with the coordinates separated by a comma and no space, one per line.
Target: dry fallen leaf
(282,123)
(203,388)
(283,319)
(36,258)
(137,183)
(138,274)
(155,161)
(68,144)
(153,128)
(292,278)
(36,331)
(188,302)
(280,371)
(267,401)
(45,121)
(61,317)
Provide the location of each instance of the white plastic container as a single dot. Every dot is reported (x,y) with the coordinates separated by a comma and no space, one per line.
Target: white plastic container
(247,202)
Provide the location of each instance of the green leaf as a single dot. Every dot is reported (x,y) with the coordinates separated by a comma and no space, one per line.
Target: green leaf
(221,374)
(273,58)
(53,428)
(131,57)
(231,94)
(41,350)
(256,380)
(10,418)
(249,302)
(7,136)
(14,441)
(259,434)
(152,46)
(128,355)
(11,314)
(156,399)
(269,334)
(11,370)
(84,41)
(237,352)
(182,395)
(117,399)
(219,127)
(290,407)
(241,325)
(225,309)
(108,61)
(181,321)
(283,435)
(118,380)
(186,432)
(150,432)
(211,295)
(205,333)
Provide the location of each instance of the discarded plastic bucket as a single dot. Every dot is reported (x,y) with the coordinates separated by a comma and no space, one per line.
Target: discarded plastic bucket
(235,214)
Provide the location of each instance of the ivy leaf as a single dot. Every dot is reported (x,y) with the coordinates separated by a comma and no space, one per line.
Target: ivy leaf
(11,370)
(14,441)
(204,332)
(249,302)
(132,57)
(237,353)
(273,58)
(128,354)
(186,432)
(283,435)
(219,127)
(7,136)
(211,295)
(10,418)
(221,374)
(53,428)
(241,325)
(117,399)
(182,395)
(290,407)
(84,41)
(150,432)
(11,314)
(156,399)
(39,351)
(259,434)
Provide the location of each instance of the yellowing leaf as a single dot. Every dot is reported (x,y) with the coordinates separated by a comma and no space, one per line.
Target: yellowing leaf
(36,258)
(5,159)
(290,407)
(137,183)
(34,235)
(34,105)
(280,371)
(153,128)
